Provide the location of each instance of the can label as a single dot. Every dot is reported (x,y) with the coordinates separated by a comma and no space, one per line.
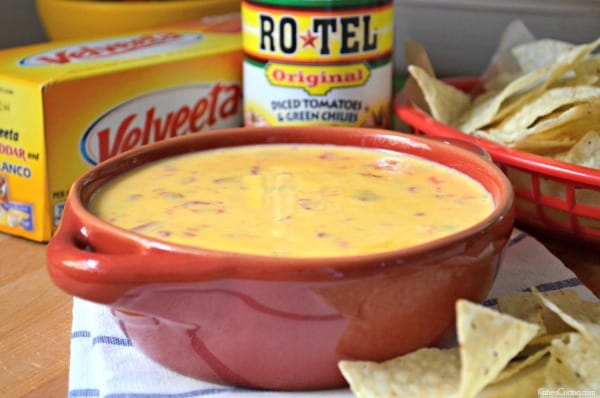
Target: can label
(317,62)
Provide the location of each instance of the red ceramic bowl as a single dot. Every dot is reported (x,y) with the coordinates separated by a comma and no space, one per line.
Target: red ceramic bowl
(278,323)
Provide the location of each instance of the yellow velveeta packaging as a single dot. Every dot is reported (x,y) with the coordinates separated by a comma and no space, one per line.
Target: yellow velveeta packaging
(66,106)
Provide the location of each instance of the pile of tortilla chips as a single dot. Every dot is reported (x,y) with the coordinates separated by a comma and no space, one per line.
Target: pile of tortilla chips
(535,344)
(540,96)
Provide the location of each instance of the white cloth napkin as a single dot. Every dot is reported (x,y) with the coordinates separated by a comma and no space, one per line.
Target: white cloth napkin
(104,363)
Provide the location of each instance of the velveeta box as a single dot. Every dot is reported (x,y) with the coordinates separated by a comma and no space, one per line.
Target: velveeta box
(67,106)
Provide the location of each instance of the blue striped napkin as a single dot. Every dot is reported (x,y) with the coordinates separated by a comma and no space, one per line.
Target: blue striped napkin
(104,363)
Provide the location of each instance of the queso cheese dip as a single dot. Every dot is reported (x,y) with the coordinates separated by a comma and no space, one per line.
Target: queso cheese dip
(294,200)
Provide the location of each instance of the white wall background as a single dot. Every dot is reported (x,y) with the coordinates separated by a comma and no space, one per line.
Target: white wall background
(19,23)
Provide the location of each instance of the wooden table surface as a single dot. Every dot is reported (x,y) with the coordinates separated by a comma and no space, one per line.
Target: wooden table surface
(35,316)
(35,324)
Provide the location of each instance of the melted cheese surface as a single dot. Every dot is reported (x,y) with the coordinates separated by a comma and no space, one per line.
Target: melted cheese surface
(296,200)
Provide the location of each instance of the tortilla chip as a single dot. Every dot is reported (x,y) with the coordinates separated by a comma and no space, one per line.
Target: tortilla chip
(504,66)
(543,340)
(517,366)
(445,102)
(539,53)
(584,316)
(428,372)
(498,355)
(585,152)
(488,340)
(561,125)
(549,147)
(486,110)
(415,54)
(574,365)
(524,306)
(585,73)
(547,103)
(525,383)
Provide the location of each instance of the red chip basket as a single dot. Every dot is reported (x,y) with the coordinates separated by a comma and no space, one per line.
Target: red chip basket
(551,196)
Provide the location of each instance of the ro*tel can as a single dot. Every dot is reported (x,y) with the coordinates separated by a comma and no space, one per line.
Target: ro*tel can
(317,62)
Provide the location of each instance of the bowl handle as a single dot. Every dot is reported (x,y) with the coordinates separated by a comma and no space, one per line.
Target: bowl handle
(101,266)
(80,271)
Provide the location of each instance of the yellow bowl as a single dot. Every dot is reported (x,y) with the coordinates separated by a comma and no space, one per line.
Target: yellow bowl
(74,19)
